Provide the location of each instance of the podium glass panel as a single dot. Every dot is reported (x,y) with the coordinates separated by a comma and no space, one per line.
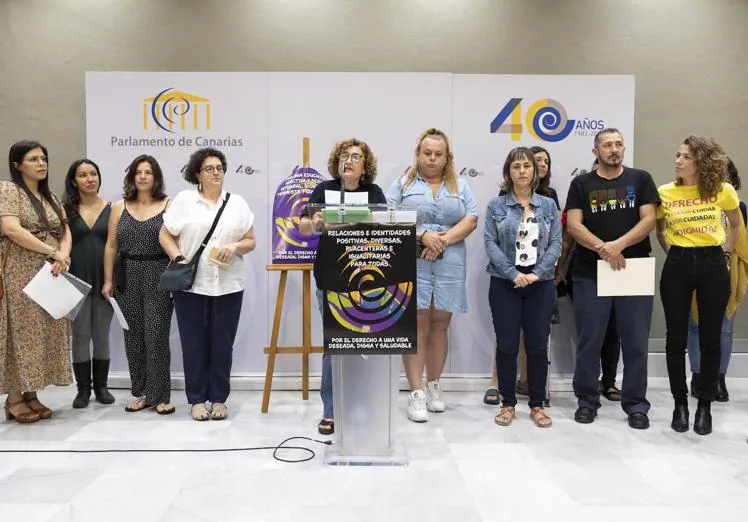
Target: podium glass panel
(366,385)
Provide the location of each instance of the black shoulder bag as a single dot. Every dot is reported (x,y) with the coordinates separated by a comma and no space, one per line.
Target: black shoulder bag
(181,276)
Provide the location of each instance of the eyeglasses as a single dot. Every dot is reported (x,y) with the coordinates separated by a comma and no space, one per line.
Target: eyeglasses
(212,169)
(36,159)
(355,157)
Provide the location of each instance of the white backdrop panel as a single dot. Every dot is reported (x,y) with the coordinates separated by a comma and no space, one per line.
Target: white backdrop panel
(476,101)
(388,111)
(118,105)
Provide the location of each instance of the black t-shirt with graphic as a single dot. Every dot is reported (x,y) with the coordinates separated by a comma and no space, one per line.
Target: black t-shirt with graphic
(610,208)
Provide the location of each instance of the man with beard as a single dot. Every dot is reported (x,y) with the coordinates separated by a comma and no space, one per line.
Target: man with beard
(612,233)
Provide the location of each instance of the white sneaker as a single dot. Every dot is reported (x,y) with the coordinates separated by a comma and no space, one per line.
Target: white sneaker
(434,401)
(417,406)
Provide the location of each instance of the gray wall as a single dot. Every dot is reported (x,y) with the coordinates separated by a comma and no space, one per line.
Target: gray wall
(689,56)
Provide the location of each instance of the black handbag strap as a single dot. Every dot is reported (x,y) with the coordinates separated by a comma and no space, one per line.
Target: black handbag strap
(204,243)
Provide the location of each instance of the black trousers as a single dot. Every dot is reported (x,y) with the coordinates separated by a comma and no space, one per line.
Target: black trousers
(703,270)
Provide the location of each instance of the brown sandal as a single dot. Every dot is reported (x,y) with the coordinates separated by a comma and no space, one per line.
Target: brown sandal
(538,416)
(26,417)
(32,401)
(506,416)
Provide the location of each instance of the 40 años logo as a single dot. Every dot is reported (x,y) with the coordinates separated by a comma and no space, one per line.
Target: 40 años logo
(545,119)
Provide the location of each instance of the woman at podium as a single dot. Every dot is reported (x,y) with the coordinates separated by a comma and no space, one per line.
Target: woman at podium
(448,214)
(353,168)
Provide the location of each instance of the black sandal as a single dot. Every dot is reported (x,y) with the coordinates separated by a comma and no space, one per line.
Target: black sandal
(612,393)
(326,427)
(491,396)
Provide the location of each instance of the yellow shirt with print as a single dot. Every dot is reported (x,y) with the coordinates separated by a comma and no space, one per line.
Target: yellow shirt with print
(693,221)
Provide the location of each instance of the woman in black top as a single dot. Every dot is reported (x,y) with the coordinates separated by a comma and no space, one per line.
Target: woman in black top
(353,165)
(88,215)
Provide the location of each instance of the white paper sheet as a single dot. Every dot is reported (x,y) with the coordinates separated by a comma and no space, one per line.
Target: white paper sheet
(56,295)
(332,197)
(638,278)
(118,313)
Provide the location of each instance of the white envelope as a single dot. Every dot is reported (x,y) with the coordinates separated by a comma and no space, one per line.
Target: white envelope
(638,278)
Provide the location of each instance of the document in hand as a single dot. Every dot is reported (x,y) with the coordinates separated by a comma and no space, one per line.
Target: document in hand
(57,295)
(638,278)
(81,285)
(118,313)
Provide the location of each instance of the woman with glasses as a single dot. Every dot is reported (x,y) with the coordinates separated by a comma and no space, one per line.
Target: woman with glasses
(208,313)
(353,166)
(132,244)
(449,214)
(33,346)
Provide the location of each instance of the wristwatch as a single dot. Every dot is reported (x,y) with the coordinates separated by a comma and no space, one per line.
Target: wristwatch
(179,258)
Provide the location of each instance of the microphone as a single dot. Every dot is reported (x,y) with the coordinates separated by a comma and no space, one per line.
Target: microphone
(341,209)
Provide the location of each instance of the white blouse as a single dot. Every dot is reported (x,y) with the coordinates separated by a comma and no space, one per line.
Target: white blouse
(527,242)
(189,217)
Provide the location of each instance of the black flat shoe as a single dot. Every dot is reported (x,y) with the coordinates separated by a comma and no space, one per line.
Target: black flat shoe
(491,396)
(680,418)
(585,415)
(639,421)
(326,427)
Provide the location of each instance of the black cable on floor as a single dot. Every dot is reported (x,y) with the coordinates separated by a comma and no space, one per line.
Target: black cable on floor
(276,449)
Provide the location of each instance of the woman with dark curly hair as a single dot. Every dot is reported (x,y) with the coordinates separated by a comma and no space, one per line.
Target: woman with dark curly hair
(689,229)
(353,165)
(132,244)
(208,313)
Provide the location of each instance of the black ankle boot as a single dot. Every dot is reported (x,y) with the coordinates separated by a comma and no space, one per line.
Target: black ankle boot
(680,416)
(722,395)
(695,384)
(100,378)
(82,373)
(702,424)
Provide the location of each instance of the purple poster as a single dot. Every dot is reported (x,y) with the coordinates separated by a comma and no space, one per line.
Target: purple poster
(290,246)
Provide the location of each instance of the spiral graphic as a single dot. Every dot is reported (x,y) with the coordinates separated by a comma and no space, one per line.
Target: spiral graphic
(371,310)
(548,121)
(170,106)
(373,305)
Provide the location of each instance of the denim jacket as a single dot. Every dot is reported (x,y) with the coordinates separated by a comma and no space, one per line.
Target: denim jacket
(500,235)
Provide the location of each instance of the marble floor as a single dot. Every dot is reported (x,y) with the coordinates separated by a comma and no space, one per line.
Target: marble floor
(462,467)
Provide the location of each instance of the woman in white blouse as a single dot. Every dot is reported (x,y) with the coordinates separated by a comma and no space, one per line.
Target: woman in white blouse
(208,313)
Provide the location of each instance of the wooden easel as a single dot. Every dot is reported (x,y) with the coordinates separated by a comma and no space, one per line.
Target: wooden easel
(306,347)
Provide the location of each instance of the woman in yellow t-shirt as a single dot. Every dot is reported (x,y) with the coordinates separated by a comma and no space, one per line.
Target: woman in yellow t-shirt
(689,229)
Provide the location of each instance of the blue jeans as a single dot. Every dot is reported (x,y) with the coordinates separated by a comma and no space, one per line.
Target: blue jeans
(528,310)
(325,388)
(725,346)
(633,316)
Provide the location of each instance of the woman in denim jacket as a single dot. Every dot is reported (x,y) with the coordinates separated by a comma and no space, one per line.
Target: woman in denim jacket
(522,236)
